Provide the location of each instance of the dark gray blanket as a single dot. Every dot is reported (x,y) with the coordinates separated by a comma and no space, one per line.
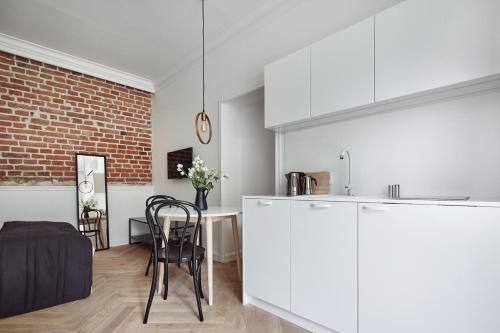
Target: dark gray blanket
(42,264)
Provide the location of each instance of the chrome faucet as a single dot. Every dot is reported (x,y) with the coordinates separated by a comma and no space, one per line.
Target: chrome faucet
(348,187)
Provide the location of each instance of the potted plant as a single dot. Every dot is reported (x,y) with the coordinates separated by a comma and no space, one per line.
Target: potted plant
(87,205)
(203,180)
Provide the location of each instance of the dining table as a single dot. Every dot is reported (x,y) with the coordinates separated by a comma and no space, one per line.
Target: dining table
(208,217)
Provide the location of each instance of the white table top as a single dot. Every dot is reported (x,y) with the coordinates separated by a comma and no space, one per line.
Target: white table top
(212,211)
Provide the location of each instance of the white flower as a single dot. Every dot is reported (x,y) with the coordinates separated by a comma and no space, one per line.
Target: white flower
(182,173)
(179,167)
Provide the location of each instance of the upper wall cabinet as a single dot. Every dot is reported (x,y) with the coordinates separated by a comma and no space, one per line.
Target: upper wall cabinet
(427,44)
(342,69)
(287,89)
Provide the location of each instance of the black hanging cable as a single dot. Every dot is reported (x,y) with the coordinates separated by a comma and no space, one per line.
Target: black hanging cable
(205,120)
(203,49)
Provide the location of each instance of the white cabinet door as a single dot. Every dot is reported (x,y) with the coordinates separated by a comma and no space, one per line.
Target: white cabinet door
(266,249)
(287,89)
(426,44)
(342,69)
(324,263)
(430,269)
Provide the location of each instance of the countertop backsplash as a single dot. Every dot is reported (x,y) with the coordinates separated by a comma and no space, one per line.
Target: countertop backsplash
(445,148)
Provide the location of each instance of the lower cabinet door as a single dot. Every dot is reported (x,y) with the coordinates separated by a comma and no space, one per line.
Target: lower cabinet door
(266,249)
(432,269)
(324,263)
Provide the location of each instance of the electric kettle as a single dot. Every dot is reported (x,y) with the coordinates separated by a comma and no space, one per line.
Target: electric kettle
(294,183)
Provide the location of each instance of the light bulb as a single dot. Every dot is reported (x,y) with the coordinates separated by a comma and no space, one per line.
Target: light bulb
(203,122)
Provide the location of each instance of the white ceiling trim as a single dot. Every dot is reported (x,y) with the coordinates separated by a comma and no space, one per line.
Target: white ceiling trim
(269,8)
(53,57)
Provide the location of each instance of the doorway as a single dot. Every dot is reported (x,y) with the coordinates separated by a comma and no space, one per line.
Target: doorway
(246,155)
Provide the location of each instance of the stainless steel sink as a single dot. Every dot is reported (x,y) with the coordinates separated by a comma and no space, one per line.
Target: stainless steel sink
(436,198)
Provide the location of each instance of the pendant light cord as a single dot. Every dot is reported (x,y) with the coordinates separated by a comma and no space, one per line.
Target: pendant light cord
(203,48)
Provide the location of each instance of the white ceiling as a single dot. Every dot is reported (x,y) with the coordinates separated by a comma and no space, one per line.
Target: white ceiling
(149,38)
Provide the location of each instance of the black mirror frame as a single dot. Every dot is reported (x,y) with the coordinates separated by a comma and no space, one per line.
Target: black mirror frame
(105,191)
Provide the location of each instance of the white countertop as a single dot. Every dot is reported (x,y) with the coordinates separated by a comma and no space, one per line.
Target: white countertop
(476,202)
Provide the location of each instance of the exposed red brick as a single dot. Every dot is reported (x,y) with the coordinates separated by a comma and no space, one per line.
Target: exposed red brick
(48,113)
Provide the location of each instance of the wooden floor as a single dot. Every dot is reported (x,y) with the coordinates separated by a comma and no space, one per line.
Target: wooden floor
(119,298)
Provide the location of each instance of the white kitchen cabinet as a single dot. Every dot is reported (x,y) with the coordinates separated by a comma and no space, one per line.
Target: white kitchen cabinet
(324,263)
(266,249)
(426,44)
(287,89)
(425,268)
(342,69)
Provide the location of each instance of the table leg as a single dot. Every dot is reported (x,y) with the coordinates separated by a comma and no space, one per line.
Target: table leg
(208,222)
(236,242)
(166,228)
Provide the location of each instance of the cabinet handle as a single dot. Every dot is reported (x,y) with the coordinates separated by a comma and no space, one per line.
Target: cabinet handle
(376,208)
(265,202)
(320,205)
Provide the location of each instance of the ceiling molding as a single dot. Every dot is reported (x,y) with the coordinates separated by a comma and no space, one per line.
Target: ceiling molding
(53,57)
(268,8)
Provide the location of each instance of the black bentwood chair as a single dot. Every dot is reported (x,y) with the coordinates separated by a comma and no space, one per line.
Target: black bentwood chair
(90,226)
(175,253)
(174,235)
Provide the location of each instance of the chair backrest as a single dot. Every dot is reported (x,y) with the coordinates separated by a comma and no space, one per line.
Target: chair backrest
(90,217)
(158,197)
(154,222)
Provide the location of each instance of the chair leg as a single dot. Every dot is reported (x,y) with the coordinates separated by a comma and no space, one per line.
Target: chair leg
(201,235)
(95,237)
(152,290)
(100,239)
(190,268)
(165,279)
(196,290)
(199,280)
(149,262)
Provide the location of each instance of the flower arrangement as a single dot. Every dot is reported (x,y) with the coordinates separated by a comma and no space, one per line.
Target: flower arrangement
(202,178)
(88,204)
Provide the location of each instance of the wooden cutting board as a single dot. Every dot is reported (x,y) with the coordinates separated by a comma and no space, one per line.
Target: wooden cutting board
(323,179)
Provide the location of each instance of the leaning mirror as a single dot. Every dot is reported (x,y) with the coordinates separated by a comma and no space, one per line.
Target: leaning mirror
(92,199)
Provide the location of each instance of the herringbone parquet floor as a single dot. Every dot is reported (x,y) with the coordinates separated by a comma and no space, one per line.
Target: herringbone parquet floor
(119,298)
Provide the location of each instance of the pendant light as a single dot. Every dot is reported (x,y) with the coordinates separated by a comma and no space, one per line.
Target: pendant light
(202,122)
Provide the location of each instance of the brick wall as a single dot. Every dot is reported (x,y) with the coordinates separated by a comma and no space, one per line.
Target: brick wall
(48,113)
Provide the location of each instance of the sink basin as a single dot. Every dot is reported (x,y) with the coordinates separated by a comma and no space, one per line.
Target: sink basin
(437,198)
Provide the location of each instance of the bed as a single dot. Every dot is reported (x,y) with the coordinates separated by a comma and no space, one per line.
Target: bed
(42,264)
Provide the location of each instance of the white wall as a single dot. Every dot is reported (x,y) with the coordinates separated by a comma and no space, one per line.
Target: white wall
(58,203)
(235,68)
(247,155)
(446,148)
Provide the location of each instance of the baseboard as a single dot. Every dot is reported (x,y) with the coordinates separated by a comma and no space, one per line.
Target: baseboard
(286,315)
(223,258)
